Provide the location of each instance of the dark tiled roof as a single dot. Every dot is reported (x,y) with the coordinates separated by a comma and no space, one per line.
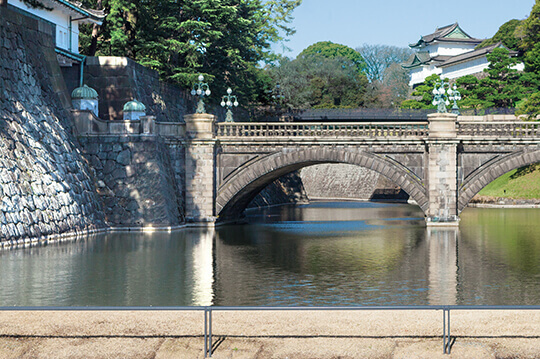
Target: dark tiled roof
(417,59)
(97,15)
(441,33)
(423,58)
(473,54)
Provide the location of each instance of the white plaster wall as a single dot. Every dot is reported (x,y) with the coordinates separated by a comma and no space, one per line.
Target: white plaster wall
(419,74)
(61,19)
(448,49)
(519,67)
(465,68)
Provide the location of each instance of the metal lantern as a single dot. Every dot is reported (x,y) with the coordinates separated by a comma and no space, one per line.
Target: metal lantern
(229,101)
(201,89)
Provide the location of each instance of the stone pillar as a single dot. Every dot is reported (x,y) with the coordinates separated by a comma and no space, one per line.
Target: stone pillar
(442,245)
(442,170)
(200,169)
(148,125)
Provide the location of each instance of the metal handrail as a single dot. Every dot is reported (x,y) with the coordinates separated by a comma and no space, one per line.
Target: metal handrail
(207,310)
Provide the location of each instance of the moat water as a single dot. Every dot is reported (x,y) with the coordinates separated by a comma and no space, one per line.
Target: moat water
(324,253)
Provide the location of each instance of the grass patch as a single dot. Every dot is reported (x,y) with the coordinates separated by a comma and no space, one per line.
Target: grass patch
(522,183)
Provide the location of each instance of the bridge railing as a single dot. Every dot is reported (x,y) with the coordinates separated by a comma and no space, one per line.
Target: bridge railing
(514,129)
(333,130)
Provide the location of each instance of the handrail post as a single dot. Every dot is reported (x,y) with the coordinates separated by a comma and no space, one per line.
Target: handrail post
(446,330)
(210,331)
(207,332)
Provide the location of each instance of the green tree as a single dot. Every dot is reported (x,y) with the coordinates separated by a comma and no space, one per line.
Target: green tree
(530,29)
(223,39)
(472,95)
(423,94)
(508,34)
(503,88)
(315,81)
(530,107)
(331,50)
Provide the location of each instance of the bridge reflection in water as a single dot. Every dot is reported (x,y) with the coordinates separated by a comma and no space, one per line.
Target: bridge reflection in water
(319,254)
(443,265)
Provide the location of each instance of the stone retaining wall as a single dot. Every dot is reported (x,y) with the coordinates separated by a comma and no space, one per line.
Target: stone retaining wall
(46,187)
(329,182)
(288,189)
(120,79)
(135,180)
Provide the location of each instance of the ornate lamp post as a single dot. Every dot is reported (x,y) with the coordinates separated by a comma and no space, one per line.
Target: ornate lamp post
(200,89)
(440,98)
(454,95)
(229,101)
(278,97)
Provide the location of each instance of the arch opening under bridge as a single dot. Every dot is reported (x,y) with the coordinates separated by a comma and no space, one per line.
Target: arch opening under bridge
(246,182)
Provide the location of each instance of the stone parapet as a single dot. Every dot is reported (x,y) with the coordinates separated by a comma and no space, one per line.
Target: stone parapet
(442,125)
(200,126)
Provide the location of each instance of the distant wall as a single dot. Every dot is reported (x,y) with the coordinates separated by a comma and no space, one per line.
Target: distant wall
(341,181)
(46,186)
(285,190)
(120,79)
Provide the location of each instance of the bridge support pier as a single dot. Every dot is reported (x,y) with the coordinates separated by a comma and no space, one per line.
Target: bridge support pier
(200,169)
(442,170)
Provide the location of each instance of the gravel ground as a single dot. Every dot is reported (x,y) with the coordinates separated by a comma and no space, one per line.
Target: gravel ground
(249,334)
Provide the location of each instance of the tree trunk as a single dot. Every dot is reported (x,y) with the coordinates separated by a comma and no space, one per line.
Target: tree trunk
(95,33)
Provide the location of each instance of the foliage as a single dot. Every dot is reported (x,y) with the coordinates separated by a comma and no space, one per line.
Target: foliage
(378,58)
(391,91)
(223,39)
(330,50)
(531,28)
(530,34)
(508,34)
(315,81)
(503,87)
(423,93)
(530,107)
(36,4)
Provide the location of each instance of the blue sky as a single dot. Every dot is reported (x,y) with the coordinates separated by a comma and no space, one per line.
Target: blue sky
(396,22)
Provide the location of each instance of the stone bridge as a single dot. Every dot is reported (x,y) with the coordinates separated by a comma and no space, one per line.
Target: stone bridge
(441,163)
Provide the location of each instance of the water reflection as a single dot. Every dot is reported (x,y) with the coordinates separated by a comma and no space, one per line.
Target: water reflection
(443,266)
(318,254)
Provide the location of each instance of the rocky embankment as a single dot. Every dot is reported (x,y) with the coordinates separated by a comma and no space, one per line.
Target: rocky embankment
(46,186)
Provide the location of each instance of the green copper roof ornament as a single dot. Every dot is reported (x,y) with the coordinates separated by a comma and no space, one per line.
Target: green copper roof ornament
(440,98)
(84,93)
(135,106)
(200,89)
(229,101)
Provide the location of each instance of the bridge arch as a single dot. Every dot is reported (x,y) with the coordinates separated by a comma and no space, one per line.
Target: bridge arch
(485,174)
(245,182)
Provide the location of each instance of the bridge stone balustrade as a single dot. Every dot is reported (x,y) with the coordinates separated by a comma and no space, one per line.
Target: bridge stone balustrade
(441,163)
